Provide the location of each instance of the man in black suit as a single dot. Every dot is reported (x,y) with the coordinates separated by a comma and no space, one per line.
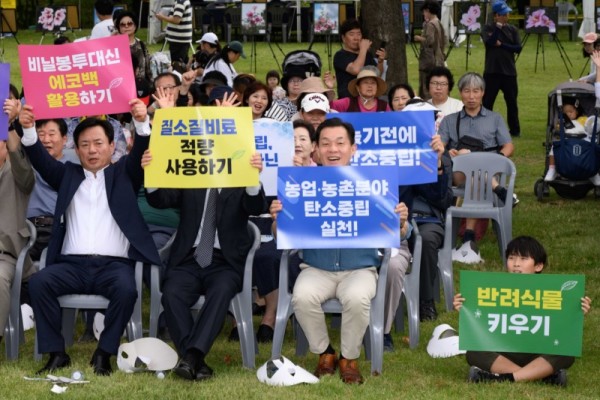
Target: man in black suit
(97,235)
(207,258)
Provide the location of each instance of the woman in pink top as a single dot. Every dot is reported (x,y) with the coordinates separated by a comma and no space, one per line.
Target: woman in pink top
(365,90)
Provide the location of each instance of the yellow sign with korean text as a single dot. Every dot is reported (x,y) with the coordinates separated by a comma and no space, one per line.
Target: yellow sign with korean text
(201,147)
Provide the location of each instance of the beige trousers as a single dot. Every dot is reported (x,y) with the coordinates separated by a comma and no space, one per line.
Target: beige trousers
(354,289)
(394,284)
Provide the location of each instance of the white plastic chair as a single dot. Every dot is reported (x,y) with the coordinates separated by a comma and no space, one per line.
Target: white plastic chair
(479,201)
(411,294)
(240,307)
(373,339)
(13,331)
(71,303)
(564,9)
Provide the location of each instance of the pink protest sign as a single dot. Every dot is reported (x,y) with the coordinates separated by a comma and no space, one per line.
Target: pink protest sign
(85,78)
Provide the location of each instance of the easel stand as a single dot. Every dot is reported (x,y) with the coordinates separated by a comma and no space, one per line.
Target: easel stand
(328,45)
(540,46)
(587,61)
(9,29)
(253,54)
(272,51)
(467,46)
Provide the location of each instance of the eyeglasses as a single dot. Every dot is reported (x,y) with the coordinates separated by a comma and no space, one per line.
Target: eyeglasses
(438,84)
(295,81)
(167,88)
(126,24)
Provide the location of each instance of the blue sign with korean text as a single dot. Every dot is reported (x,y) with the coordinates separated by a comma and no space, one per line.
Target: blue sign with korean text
(399,139)
(337,207)
(275,142)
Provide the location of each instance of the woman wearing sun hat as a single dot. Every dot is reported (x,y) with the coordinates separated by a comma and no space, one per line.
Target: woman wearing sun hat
(365,90)
(223,61)
(591,42)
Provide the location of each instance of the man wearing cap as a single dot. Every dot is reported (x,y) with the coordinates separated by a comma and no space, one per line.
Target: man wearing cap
(223,61)
(353,56)
(179,29)
(209,46)
(313,109)
(502,42)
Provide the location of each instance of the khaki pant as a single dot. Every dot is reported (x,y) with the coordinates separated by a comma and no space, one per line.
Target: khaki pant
(354,289)
(7,274)
(394,284)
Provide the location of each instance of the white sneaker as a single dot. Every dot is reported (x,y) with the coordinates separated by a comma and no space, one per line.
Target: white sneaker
(595,180)
(550,175)
(468,253)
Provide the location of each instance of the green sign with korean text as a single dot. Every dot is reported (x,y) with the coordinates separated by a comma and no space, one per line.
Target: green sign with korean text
(521,313)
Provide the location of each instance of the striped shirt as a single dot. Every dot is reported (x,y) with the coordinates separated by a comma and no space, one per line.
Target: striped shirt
(276,112)
(182,32)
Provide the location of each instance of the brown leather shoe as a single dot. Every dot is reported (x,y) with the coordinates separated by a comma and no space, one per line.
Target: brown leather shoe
(349,371)
(327,365)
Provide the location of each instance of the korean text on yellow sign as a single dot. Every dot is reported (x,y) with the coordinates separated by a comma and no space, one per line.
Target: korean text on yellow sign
(201,147)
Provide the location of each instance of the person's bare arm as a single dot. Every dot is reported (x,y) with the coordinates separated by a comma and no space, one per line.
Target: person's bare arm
(355,66)
(508,149)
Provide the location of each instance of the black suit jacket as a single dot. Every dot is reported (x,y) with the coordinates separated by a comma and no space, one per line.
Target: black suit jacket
(234,206)
(123,180)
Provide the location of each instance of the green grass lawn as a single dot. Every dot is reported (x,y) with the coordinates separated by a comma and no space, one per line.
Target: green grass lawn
(568,229)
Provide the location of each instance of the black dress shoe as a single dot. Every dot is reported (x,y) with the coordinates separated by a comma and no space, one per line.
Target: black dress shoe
(427,311)
(101,363)
(56,361)
(204,372)
(185,369)
(87,337)
(234,336)
(264,334)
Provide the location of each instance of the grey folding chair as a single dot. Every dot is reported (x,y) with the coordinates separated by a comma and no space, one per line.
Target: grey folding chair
(240,307)
(13,331)
(71,303)
(410,293)
(564,9)
(277,18)
(233,21)
(373,339)
(479,201)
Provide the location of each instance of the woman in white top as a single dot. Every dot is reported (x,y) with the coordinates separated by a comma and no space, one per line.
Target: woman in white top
(223,62)
(440,83)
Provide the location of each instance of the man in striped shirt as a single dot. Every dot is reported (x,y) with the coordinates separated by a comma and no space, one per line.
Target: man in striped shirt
(179,30)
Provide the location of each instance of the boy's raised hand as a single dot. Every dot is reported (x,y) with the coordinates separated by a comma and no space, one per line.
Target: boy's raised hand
(586,304)
(458,301)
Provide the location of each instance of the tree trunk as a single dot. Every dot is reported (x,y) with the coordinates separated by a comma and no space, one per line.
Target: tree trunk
(382,21)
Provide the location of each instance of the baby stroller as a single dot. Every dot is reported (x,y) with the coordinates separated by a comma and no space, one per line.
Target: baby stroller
(307,62)
(577,159)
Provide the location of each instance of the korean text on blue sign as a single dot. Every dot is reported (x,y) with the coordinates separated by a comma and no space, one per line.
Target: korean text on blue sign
(398,139)
(275,142)
(337,207)
(522,313)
